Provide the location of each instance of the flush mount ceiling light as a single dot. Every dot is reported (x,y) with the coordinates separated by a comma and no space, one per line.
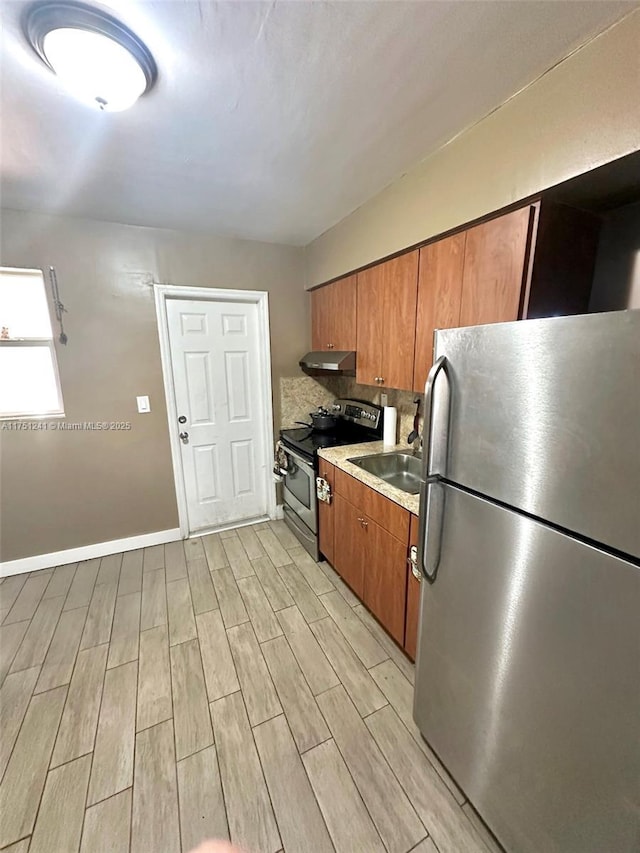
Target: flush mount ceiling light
(98,59)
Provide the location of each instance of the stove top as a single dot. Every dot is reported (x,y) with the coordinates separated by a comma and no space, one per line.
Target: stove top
(358,421)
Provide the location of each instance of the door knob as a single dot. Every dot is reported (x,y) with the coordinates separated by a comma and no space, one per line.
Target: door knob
(184,437)
(182,419)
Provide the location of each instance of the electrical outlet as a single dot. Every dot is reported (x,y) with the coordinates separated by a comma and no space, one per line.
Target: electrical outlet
(143,405)
(384,399)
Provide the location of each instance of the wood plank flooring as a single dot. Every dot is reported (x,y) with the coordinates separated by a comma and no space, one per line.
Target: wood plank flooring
(222,687)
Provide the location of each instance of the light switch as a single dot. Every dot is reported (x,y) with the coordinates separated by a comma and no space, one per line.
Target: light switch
(384,399)
(143,404)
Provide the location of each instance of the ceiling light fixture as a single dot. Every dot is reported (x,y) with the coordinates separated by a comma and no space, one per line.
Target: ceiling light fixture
(98,59)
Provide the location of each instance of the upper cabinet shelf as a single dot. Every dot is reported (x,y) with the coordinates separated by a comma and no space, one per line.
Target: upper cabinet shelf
(535,261)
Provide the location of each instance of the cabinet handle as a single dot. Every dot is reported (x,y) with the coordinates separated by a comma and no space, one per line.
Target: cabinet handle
(361,520)
(365,524)
(381,380)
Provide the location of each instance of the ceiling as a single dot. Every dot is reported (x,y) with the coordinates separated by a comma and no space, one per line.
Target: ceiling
(273,121)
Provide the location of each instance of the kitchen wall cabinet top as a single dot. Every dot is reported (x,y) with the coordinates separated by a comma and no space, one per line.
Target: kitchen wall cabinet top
(495,264)
(386,316)
(439,297)
(333,316)
(535,261)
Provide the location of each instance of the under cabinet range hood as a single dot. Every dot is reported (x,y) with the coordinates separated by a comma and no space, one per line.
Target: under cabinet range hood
(330,361)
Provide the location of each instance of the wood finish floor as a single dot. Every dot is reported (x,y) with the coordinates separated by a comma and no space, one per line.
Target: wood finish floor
(226,686)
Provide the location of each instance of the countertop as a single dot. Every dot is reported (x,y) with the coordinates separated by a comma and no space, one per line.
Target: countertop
(338,456)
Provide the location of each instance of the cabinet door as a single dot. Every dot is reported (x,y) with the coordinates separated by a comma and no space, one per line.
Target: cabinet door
(342,312)
(320,319)
(413,599)
(439,296)
(385,578)
(495,260)
(388,514)
(349,544)
(399,315)
(326,514)
(370,289)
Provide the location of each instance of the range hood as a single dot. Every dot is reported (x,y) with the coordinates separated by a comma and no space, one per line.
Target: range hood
(331,361)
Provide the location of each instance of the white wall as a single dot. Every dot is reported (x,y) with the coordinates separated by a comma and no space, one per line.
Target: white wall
(582,114)
(63,490)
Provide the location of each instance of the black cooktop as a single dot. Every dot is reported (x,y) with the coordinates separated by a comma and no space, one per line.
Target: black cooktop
(308,440)
(358,421)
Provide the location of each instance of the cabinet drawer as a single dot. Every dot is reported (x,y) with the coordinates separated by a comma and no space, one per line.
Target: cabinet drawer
(386,513)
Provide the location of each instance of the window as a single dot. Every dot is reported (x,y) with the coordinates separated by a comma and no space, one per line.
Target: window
(29,383)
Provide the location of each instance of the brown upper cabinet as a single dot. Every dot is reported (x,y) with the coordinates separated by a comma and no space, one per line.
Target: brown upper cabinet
(333,316)
(387,295)
(495,257)
(532,262)
(535,261)
(439,295)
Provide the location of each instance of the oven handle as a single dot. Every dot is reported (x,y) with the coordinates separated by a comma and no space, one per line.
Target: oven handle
(304,463)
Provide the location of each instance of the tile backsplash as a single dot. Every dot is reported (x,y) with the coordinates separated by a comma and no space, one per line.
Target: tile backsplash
(302,394)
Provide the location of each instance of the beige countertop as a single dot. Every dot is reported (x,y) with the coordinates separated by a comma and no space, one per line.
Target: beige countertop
(338,456)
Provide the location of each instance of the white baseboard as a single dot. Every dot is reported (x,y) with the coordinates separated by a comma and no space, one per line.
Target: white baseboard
(87,552)
(234,525)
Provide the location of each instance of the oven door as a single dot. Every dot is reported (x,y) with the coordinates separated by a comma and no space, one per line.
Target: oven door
(300,489)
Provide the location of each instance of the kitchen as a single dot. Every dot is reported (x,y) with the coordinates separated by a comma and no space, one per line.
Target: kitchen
(298,674)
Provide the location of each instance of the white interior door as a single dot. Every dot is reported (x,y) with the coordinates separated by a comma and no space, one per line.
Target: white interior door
(215,361)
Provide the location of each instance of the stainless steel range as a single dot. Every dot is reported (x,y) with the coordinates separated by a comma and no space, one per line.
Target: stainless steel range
(356,421)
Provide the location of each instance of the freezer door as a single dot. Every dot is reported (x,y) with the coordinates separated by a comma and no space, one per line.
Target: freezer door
(528,680)
(545,417)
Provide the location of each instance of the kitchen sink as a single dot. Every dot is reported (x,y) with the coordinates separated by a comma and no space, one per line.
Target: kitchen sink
(402,470)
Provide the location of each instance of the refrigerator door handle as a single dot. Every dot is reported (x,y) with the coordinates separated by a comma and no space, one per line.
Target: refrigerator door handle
(430,528)
(435,457)
(432,491)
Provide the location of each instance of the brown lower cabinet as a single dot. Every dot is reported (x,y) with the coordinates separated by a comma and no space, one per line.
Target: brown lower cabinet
(326,513)
(413,599)
(385,578)
(349,544)
(370,550)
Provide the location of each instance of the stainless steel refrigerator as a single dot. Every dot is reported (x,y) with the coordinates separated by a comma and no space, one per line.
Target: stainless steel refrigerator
(528,666)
